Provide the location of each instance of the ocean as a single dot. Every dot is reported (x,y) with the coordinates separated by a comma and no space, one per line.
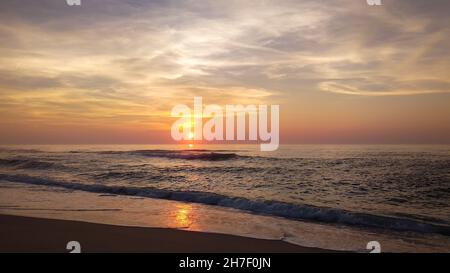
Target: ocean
(398,191)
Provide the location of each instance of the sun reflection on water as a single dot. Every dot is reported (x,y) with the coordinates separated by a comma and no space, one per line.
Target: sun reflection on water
(183,215)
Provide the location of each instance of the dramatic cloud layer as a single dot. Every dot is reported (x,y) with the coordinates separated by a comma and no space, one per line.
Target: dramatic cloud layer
(127,62)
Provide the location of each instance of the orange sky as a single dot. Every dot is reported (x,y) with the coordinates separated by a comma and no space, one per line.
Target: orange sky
(111,71)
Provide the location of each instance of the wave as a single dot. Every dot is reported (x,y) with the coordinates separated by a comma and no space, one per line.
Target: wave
(274,208)
(30,164)
(197,154)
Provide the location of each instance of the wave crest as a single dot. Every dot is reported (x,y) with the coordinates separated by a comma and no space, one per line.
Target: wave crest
(274,208)
(180,154)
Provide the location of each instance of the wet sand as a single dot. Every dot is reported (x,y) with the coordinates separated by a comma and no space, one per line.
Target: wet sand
(28,234)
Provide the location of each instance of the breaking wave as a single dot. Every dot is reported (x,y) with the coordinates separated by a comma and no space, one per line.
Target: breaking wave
(180,154)
(274,208)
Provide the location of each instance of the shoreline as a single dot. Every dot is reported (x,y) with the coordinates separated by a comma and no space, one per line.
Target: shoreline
(19,234)
(181,217)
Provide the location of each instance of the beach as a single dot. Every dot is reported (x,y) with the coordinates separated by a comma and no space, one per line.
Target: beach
(225,126)
(28,234)
(304,198)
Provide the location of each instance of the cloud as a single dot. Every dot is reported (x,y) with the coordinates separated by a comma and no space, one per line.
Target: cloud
(157,40)
(18,81)
(108,55)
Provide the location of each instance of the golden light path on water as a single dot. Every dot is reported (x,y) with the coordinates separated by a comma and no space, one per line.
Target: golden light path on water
(38,201)
(183,215)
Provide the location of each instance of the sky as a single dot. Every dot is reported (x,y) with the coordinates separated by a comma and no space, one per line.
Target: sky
(110,71)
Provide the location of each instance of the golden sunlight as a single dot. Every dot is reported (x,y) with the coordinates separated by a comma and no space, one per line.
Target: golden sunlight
(183,215)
